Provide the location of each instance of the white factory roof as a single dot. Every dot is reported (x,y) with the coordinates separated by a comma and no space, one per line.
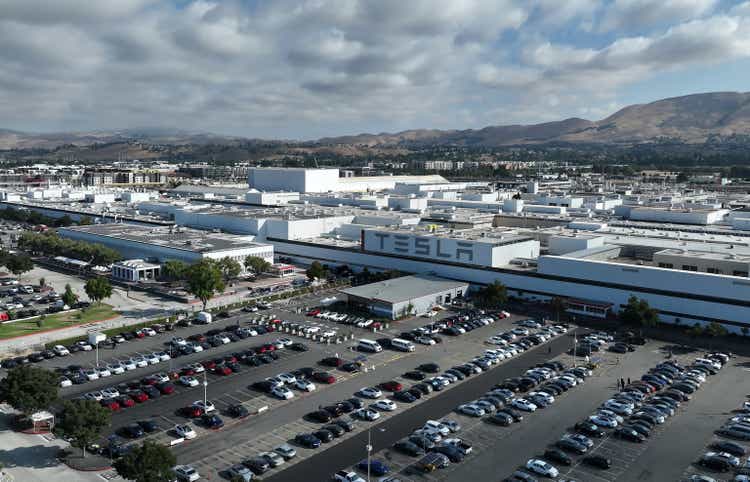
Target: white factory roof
(405,288)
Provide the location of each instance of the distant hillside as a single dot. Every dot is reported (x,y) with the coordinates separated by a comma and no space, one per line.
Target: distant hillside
(691,119)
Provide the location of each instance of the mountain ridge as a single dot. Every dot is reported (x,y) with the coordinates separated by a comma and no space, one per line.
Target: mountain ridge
(690,119)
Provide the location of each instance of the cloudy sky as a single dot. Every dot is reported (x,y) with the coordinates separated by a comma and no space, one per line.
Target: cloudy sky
(308,68)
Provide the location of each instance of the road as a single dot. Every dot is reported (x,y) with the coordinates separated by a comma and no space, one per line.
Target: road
(321,466)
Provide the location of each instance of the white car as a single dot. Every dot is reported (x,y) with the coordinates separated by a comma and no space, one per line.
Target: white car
(304,385)
(139,361)
(208,407)
(619,407)
(471,410)
(148,331)
(197,367)
(116,368)
(189,381)
(523,404)
(186,473)
(178,341)
(103,372)
(542,468)
(282,392)
(385,405)
(603,421)
(610,414)
(153,359)
(367,414)
(163,356)
(60,350)
(709,363)
(284,341)
(546,396)
(65,382)
(91,375)
(371,392)
(344,476)
(110,392)
(85,346)
(440,427)
(128,364)
(287,378)
(431,435)
(98,396)
(185,431)
(161,377)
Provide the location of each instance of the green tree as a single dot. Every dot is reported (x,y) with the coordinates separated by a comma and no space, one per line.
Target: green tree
(42,282)
(557,305)
(19,264)
(494,295)
(256,264)
(29,388)
(82,421)
(316,270)
(68,297)
(695,331)
(174,270)
(85,220)
(150,462)
(229,268)
(204,279)
(716,329)
(638,312)
(98,289)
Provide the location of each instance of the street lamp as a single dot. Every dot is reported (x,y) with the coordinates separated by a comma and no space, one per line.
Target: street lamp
(368,448)
(205,391)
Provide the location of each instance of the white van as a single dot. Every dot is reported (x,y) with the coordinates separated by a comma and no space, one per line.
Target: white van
(402,345)
(369,345)
(204,317)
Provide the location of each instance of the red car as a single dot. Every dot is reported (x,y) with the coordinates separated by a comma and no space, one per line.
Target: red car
(209,364)
(111,404)
(165,388)
(269,347)
(187,371)
(223,370)
(192,412)
(230,359)
(138,396)
(392,386)
(314,312)
(324,377)
(149,381)
(332,361)
(125,401)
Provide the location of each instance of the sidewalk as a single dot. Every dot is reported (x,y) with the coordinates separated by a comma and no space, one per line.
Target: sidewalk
(33,458)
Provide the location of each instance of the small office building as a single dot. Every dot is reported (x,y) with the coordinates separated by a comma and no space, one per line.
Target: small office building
(135,270)
(407,295)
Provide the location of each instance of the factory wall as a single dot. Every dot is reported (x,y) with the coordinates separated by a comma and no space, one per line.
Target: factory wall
(673,304)
(567,244)
(298,180)
(303,228)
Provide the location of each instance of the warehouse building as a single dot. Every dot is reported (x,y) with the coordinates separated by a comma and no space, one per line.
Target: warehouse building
(163,244)
(408,295)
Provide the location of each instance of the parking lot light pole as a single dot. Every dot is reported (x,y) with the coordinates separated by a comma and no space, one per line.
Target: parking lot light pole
(205,391)
(369,450)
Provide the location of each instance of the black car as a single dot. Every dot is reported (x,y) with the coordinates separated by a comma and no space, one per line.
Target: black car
(597,461)
(500,418)
(323,435)
(307,440)
(237,411)
(346,406)
(421,442)
(335,429)
(425,388)
(414,375)
(429,367)
(558,456)
(453,454)
(715,463)
(36,357)
(416,393)
(639,427)
(408,448)
(629,434)
(212,421)
(347,425)
(321,416)
(589,429)
(132,431)
(258,465)
(571,446)
(517,417)
(356,403)
(729,447)
(263,386)
(351,367)
(151,391)
(48,354)
(8,363)
(456,373)
(148,426)
(404,396)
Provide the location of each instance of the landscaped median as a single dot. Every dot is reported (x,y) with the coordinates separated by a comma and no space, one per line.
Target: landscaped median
(41,324)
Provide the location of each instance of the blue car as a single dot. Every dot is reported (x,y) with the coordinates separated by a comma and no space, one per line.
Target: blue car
(212,421)
(377,468)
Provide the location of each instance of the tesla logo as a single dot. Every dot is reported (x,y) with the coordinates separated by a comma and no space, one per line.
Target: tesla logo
(425,247)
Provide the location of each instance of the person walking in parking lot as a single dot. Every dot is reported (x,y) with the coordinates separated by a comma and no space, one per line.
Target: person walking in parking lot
(628,380)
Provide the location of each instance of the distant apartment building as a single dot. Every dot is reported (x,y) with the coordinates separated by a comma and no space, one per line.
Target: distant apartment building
(112,177)
(439,165)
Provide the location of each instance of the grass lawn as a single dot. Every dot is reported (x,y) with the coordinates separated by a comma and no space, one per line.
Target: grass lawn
(58,320)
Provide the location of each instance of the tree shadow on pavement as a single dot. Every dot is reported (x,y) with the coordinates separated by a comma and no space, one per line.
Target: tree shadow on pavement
(677,349)
(35,456)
